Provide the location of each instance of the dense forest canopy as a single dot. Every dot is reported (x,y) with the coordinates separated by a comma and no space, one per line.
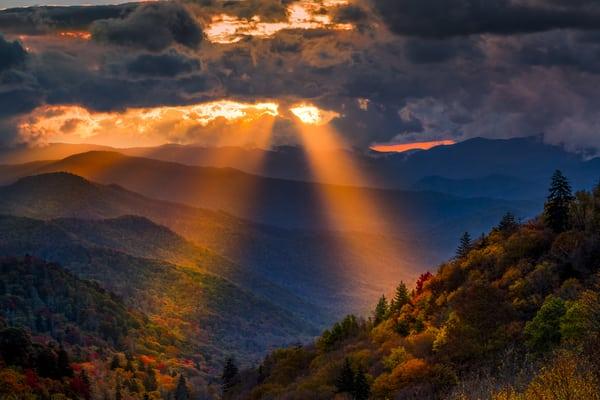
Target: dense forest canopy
(515,315)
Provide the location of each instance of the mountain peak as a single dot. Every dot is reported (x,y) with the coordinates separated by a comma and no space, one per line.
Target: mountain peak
(53,178)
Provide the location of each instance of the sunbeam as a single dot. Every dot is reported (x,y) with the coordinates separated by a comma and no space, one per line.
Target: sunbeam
(352,212)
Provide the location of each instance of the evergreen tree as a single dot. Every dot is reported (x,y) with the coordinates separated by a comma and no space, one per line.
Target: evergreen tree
(508,224)
(362,389)
(230,376)
(63,364)
(150,380)
(381,310)
(182,392)
(345,381)
(87,385)
(401,297)
(115,362)
(261,374)
(129,366)
(556,209)
(118,395)
(464,246)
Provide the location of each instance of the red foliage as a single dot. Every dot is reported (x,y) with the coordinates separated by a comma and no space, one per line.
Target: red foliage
(421,281)
(81,387)
(31,379)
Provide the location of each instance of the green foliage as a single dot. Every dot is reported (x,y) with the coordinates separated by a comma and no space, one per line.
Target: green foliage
(47,299)
(400,299)
(353,383)
(381,310)
(362,388)
(581,321)
(543,332)
(340,332)
(523,287)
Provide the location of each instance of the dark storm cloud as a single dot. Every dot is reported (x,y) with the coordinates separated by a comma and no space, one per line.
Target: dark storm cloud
(446,18)
(350,14)
(168,64)
(63,80)
(424,51)
(11,54)
(442,78)
(39,20)
(151,26)
(18,101)
(268,10)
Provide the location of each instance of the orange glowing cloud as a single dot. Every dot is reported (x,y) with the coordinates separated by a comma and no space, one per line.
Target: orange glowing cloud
(227,29)
(141,126)
(312,115)
(401,147)
(80,35)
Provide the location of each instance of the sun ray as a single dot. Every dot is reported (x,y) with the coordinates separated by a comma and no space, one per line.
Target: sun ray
(353,212)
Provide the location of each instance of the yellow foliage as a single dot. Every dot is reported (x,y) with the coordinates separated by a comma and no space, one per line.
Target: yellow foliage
(566,378)
(12,383)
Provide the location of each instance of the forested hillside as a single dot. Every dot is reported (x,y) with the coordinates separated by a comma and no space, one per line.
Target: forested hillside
(209,315)
(515,315)
(65,338)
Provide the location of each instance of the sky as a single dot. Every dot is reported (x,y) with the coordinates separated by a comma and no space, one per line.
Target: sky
(378,72)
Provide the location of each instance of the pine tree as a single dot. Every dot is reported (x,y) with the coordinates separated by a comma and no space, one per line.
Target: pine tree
(63,364)
(465,245)
(118,395)
(230,376)
(508,224)
(345,381)
(150,380)
(381,310)
(401,298)
(362,389)
(129,366)
(556,209)
(86,385)
(182,392)
(115,362)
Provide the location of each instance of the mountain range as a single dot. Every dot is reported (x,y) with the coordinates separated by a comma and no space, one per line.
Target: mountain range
(524,163)
(231,259)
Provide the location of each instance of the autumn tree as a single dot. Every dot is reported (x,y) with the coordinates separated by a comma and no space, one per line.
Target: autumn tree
(556,209)
(424,277)
(150,380)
